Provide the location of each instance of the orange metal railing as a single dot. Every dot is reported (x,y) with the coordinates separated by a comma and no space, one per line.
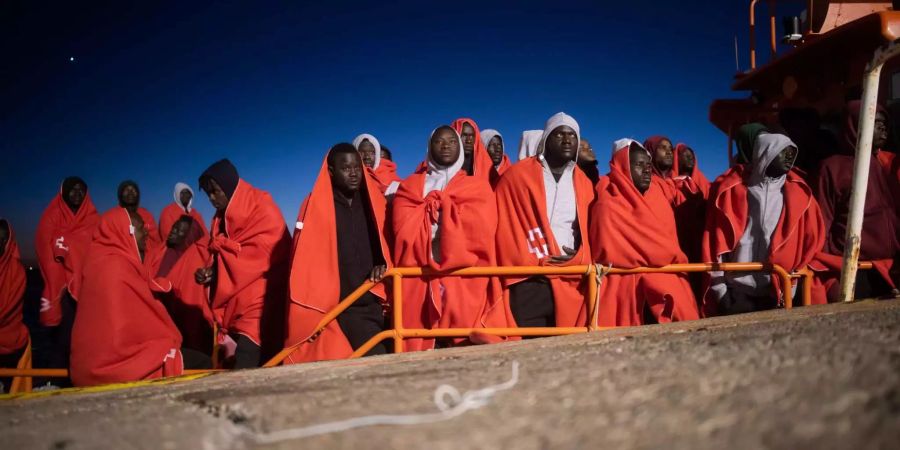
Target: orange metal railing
(594,273)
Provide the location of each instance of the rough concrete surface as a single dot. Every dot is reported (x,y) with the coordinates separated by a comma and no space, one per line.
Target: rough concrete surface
(817,377)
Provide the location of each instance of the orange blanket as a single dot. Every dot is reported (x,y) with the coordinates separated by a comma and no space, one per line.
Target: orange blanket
(13,333)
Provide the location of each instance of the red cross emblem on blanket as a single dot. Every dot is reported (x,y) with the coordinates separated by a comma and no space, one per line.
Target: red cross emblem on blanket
(537,244)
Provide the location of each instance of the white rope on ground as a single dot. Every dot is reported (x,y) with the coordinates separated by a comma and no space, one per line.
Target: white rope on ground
(450,403)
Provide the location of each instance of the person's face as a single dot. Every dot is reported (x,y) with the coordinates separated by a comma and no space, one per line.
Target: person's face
(185,197)
(367,152)
(129,196)
(641,169)
(75,197)
(140,234)
(686,161)
(4,239)
(346,174)
(216,195)
(468,138)
(561,145)
(663,157)
(444,147)
(880,136)
(495,149)
(782,163)
(586,152)
(178,234)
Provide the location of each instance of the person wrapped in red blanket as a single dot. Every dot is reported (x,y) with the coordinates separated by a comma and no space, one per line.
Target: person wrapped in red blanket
(495,146)
(13,333)
(690,214)
(880,234)
(63,236)
(633,225)
(250,248)
(339,243)
(383,170)
(173,212)
(445,220)
(477,161)
(122,332)
(761,212)
(543,205)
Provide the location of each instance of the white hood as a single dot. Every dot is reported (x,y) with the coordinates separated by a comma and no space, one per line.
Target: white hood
(529,144)
(368,137)
(555,121)
(180,187)
(437,177)
(487,135)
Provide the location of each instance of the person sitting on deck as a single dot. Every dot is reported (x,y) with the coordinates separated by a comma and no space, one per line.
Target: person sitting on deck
(445,220)
(661,153)
(13,333)
(761,212)
(880,233)
(493,142)
(247,279)
(543,204)
(633,225)
(690,214)
(382,170)
(186,250)
(339,244)
(745,141)
(122,331)
(173,212)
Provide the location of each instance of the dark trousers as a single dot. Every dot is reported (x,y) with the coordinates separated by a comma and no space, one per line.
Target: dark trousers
(10,361)
(870,284)
(195,360)
(247,354)
(361,321)
(531,302)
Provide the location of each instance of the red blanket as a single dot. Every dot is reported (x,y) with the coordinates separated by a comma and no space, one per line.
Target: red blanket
(121,332)
(13,334)
(251,257)
(497,172)
(691,213)
(61,241)
(525,238)
(188,302)
(467,214)
(631,230)
(797,238)
(315,276)
(384,174)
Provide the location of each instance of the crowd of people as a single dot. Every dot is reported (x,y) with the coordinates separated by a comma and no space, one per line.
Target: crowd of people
(130,299)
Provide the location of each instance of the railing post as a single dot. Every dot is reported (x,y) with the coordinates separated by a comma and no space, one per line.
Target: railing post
(398,312)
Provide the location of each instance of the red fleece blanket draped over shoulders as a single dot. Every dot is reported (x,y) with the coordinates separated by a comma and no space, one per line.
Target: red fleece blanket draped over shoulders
(121,332)
(385,174)
(629,230)
(251,258)
(13,333)
(315,273)
(467,216)
(525,236)
(799,235)
(690,214)
(62,239)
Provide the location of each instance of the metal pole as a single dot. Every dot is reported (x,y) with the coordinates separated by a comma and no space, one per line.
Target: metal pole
(863,158)
(398,312)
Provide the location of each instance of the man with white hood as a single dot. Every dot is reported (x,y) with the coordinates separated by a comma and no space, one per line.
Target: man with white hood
(543,204)
(384,170)
(182,206)
(529,143)
(493,143)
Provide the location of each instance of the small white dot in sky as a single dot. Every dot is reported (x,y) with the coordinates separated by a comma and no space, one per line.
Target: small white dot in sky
(72,58)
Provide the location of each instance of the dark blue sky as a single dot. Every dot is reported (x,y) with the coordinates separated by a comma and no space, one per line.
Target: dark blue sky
(160,90)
